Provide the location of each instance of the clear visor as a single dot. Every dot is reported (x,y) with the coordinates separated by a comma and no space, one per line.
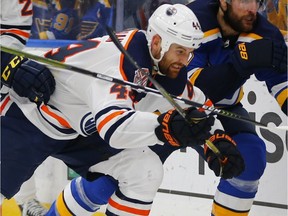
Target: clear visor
(257,5)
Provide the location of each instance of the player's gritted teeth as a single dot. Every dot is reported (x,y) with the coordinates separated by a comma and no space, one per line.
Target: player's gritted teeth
(176,66)
(174,70)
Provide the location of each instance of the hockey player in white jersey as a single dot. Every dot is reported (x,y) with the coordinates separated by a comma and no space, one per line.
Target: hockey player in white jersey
(16,21)
(108,113)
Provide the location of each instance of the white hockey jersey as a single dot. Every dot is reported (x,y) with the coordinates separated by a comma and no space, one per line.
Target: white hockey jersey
(16,21)
(83,105)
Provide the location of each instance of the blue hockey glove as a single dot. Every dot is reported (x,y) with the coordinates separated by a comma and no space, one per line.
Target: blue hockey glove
(262,53)
(233,165)
(28,79)
(175,130)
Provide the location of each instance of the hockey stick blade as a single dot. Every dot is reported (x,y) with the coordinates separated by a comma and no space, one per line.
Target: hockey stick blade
(136,87)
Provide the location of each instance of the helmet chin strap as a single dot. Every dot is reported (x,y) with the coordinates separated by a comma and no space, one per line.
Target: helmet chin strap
(156,61)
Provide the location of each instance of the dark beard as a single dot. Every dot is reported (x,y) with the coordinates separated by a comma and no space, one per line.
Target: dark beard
(235,24)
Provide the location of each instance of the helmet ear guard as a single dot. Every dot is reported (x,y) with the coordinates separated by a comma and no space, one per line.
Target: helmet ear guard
(174,24)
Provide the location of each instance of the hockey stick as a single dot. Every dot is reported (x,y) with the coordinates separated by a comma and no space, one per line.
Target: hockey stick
(137,87)
(99,76)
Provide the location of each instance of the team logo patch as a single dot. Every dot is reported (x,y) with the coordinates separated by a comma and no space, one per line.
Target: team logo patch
(171,11)
(88,125)
(140,78)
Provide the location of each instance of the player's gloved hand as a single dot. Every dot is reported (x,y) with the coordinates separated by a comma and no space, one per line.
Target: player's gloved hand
(262,53)
(175,130)
(233,165)
(29,79)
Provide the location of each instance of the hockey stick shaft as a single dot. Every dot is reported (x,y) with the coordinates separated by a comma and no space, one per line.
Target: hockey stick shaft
(135,86)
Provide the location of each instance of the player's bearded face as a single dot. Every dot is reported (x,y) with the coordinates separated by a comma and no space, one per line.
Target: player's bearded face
(174,59)
(240,19)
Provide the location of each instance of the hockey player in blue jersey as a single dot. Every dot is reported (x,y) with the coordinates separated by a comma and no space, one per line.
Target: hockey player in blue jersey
(219,68)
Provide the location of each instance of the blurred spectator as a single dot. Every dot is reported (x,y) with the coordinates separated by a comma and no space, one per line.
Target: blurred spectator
(276,12)
(92,13)
(136,13)
(81,19)
(41,18)
(55,19)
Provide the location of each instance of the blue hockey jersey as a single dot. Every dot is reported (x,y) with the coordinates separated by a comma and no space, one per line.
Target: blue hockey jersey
(216,50)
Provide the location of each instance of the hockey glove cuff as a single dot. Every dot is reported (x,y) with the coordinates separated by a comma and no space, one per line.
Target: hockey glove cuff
(233,165)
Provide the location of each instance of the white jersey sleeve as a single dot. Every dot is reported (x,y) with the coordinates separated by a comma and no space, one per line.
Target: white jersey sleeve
(16,21)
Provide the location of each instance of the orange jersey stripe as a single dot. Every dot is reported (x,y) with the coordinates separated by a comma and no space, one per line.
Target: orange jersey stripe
(62,121)
(107,119)
(122,55)
(17,32)
(5,102)
(128,209)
